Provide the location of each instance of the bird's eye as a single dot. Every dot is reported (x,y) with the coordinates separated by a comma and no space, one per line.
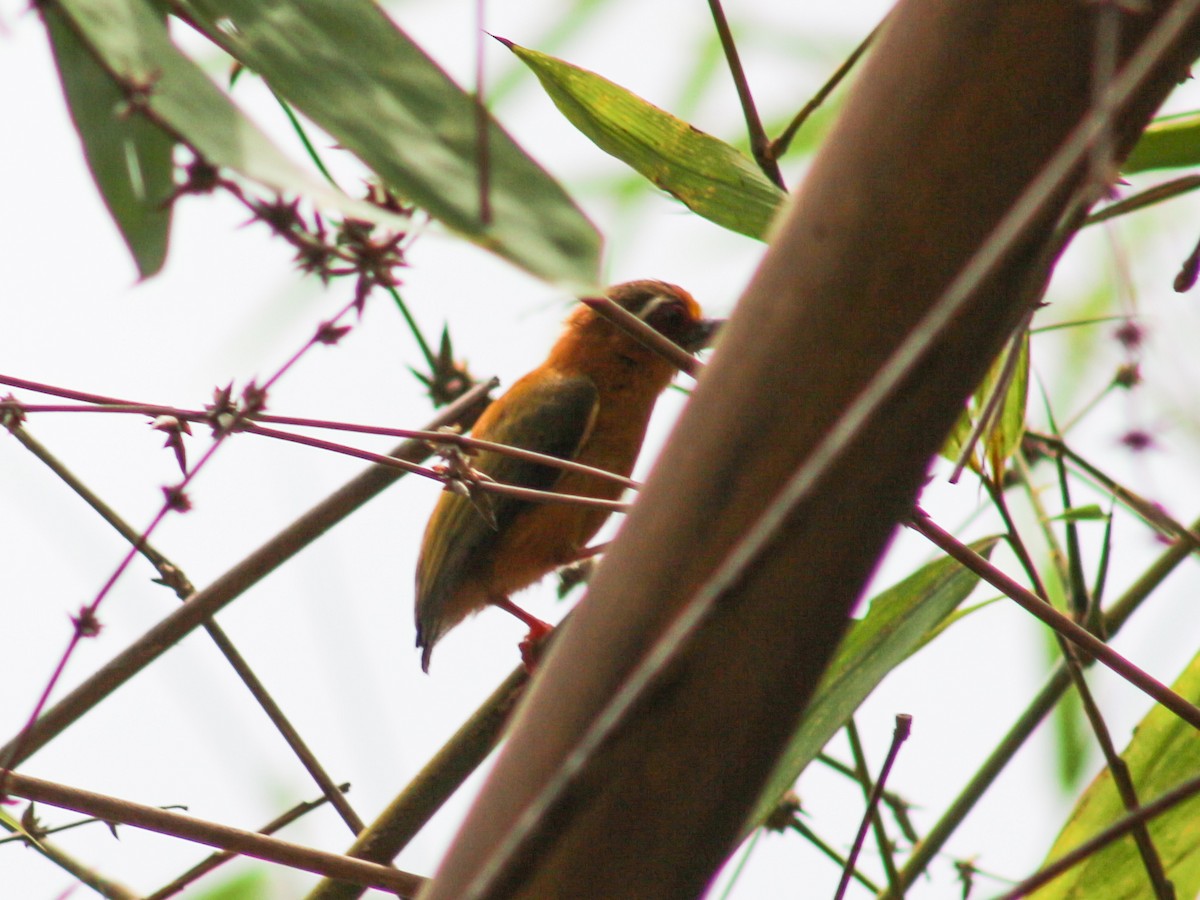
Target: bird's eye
(666,315)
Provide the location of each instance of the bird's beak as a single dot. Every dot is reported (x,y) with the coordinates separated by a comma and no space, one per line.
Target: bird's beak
(701,334)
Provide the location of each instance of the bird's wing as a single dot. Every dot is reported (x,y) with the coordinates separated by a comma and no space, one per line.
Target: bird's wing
(550,415)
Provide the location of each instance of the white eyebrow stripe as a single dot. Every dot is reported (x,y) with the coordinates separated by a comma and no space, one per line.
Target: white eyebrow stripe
(651,305)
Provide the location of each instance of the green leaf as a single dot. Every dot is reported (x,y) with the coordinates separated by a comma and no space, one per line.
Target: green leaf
(1167,143)
(1004,435)
(131,42)
(1164,752)
(895,626)
(709,176)
(350,70)
(1089,513)
(129,156)
(249,885)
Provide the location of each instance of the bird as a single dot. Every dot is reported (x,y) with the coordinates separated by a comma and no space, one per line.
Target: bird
(589,402)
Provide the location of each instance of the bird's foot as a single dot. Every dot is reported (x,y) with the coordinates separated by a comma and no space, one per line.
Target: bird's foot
(534,645)
(531,648)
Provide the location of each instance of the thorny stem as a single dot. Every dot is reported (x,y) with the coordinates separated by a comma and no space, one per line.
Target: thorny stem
(208,601)
(487,486)
(86,623)
(433,437)
(173,576)
(36,838)
(218,859)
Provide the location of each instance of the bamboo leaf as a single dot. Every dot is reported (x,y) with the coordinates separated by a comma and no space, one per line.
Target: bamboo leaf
(706,174)
(896,625)
(1168,143)
(131,42)
(350,70)
(129,157)
(1164,751)
(1004,434)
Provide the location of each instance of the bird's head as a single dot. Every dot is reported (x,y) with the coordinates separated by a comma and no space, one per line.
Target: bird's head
(669,310)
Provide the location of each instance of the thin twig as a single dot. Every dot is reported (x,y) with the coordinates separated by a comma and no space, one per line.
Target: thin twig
(434,437)
(780,145)
(1121,777)
(871,814)
(1041,705)
(842,862)
(212,834)
(302,134)
(1114,832)
(202,868)
(418,335)
(406,815)
(485,485)
(102,885)
(1150,513)
(862,774)
(173,576)
(208,601)
(1074,667)
(482,144)
(897,804)
(1076,634)
(640,331)
(86,623)
(1152,195)
(760,144)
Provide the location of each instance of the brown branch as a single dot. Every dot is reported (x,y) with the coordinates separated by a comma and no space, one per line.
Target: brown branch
(871,814)
(173,576)
(189,828)
(216,860)
(1074,666)
(383,840)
